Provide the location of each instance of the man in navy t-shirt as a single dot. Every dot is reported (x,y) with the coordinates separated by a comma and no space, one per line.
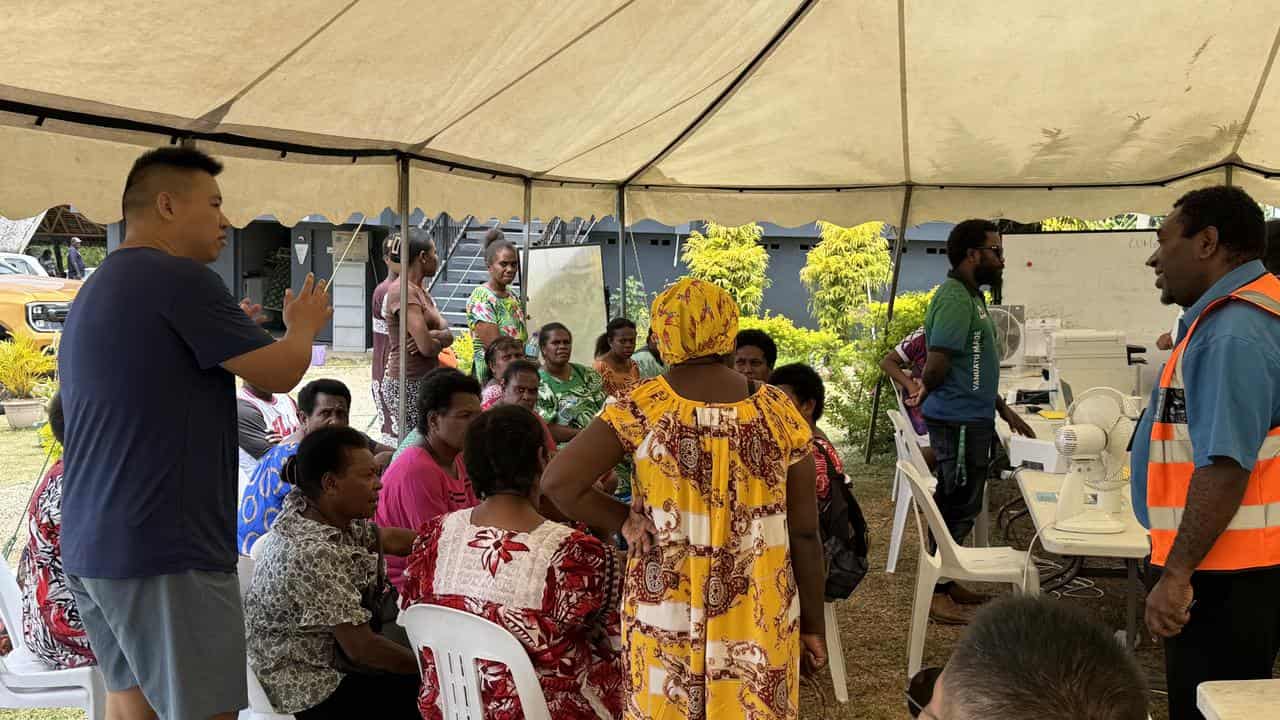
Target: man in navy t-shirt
(146,366)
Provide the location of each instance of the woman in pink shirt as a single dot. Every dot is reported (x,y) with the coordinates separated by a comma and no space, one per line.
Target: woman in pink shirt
(429,479)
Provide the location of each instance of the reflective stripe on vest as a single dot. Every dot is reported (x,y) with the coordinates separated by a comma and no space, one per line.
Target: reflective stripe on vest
(1252,539)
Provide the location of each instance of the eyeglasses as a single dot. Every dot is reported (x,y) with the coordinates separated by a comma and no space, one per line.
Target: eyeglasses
(995,249)
(920,693)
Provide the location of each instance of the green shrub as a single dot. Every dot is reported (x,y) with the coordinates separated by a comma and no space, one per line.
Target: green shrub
(464,347)
(795,344)
(734,259)
(852,383)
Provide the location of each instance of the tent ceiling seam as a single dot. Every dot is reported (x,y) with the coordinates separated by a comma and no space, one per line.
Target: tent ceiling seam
(1257,95)
(103,121)
(725,95)
(215,116)
(475,108)
(902,88)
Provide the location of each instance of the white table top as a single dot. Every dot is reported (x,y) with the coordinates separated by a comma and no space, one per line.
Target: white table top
(1238,699)
(1040,490)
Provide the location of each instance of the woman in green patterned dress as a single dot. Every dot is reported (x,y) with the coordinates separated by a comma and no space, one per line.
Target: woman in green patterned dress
(492,310)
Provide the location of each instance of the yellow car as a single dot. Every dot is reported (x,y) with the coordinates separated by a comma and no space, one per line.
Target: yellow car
(34,306)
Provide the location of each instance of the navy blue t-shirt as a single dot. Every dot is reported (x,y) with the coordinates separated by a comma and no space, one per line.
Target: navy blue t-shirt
(150,457)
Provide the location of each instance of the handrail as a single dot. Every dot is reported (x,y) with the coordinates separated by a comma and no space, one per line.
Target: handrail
(586,234)
(548,236)
(444,263)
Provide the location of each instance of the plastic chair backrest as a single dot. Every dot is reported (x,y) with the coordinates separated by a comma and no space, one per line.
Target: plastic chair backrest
(924,503)
(905,439)
(902,408)
(457,640)
(259,547)
(11,607)
(244,571)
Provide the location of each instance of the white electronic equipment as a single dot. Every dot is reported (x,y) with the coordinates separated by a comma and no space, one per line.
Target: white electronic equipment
(1039,334)
(1084,359)
(1036,454)
(1096,437)
(1011,334)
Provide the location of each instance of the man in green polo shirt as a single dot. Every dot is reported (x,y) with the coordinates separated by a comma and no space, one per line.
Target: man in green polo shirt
(960,399)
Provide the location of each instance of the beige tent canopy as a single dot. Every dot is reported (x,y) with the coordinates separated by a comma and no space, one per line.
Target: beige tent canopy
(737,110)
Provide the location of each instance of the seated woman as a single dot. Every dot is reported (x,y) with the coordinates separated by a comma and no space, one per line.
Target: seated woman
(314,607)
(497,356)
(555,588)
(51,624)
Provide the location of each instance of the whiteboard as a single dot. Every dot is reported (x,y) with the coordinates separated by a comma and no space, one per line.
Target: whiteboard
(1096,280)
(566,285)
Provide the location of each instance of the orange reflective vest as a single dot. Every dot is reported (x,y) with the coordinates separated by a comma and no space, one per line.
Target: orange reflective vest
(1252,539)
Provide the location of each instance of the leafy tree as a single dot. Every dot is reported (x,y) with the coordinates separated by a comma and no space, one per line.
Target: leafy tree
(1124,221)
(638,302)
(843,271)
(734,259)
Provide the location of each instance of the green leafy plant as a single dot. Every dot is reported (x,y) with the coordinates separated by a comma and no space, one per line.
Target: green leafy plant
(23,367)
(843,272)
(795,344)
(638,304)
(1125,221)
(464,346)
(734,259)
(852,382)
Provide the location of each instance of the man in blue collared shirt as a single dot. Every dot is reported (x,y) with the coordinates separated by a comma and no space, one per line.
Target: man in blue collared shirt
(1209,247)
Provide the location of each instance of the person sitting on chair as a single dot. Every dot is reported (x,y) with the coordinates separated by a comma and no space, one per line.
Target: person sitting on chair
(319,592)
(51,623)
(1032,657)
(500,353)
(482,560)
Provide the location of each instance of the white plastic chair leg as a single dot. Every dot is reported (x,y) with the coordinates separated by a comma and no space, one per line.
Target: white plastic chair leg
(897,488)
(835,655)
(900,511)
(982,525)
(926,580)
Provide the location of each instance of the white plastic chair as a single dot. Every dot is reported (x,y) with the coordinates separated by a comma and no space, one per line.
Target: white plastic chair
(908,452)
(954,562)
(921,441)
(835,654)
(26,682)
(457,640)
(260,707)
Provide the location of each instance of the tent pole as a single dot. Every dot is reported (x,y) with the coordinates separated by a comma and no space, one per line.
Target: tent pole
(898,246)
(622,255)
(528,237)
(403,207)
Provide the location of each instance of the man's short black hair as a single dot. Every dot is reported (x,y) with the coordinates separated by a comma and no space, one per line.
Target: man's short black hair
(515,367)
(1238,218)
(173,157)
(323,386)
(436,391)
(1035,657)
(1272,258)
(968,235)
(57,422)
(805,382)
(759,339)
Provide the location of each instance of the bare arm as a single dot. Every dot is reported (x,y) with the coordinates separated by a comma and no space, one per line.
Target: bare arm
(935,368)
(367,648)
(396,541)
(806,544)
(570,478)
(891,365)
(279,367)
(563,433)
(486,333)
(1212,500)
(428,346)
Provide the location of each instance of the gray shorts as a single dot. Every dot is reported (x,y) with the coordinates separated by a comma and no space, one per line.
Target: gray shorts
(178,637)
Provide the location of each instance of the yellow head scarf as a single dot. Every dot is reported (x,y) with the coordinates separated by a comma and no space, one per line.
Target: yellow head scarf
(694,319)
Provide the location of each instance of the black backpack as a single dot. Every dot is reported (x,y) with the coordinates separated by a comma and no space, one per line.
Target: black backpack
(844,535)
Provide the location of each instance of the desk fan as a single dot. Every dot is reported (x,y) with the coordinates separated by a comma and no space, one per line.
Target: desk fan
(1096,437)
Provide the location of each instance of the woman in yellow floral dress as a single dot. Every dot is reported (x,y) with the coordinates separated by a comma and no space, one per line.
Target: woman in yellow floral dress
(723,592)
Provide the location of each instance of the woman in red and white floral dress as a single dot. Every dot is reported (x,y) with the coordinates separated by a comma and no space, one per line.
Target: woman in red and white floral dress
(556,588)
